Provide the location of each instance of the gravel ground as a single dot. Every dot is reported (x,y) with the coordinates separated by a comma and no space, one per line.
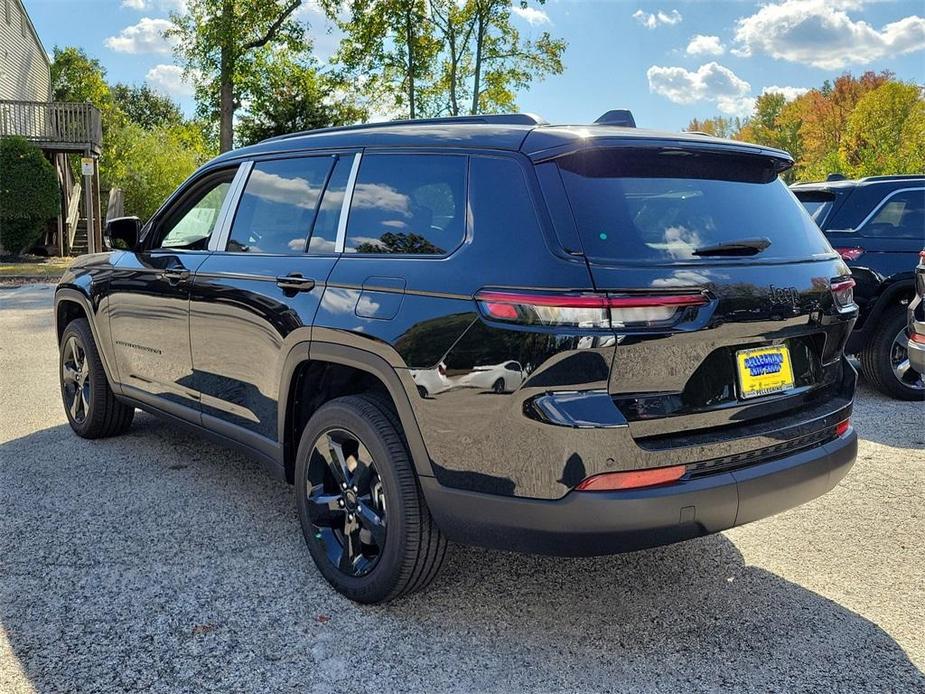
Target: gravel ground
(161,561)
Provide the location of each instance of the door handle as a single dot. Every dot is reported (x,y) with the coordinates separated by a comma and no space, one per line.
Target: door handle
(175,276)
(295,283)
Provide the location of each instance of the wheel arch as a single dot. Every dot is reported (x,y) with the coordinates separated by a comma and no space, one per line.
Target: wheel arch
(372,373)
(72,304)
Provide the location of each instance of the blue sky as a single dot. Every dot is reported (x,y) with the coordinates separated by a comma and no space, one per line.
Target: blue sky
(667,61)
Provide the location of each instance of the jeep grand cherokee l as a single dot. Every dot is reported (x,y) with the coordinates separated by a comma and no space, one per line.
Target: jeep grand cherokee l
(877,225)
(677,318)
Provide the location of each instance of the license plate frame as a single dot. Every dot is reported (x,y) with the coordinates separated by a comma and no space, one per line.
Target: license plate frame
(764,371)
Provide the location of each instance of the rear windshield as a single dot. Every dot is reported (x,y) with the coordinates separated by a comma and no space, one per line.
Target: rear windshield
(665,206)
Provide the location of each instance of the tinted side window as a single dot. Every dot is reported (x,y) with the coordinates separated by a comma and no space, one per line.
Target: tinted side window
(278,205)
(408,204)
(324,234)
(902,216)
(190,223)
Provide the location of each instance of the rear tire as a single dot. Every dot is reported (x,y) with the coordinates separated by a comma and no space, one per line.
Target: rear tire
(407,555)
(91,407)
(878,360)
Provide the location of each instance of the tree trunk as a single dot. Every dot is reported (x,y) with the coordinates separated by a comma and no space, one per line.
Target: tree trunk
(477,78)
(226,104)
(454,73)
(409,40)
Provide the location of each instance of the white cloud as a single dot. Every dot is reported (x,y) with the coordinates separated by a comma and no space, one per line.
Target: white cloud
(821,33)
(742,106)
(790,93)
(133,4)
(531,15)
(145,37)
(705,45)
(169,80)
(650,20)
(710,82)
(163,5)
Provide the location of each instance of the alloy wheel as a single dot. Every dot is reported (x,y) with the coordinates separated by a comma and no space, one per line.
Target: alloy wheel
(75,375)
(899,361)
(346,503)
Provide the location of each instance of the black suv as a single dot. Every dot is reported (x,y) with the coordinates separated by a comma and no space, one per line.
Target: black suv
(877,225)
(665,319)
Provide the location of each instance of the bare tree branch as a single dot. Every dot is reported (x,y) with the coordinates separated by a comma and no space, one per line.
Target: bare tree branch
(274,28)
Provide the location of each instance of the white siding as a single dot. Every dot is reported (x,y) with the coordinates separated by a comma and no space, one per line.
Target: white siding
(24,71)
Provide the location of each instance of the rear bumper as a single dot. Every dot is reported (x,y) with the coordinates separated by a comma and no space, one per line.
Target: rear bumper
(592,523)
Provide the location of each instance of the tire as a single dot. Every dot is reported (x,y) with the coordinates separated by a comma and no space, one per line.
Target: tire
(413,548)
(877,359)
(91,407)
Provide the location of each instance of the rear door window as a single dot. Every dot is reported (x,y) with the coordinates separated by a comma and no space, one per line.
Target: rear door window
(902,215)
(408,204)
(668,206)
(278,205)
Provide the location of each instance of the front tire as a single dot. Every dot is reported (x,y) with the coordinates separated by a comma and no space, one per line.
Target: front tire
(91,407)
(885,360)
(362,512)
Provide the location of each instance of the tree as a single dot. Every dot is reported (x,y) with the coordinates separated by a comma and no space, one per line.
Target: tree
(718,126)
(144,106)
(294,96)
(885,132)
(28,194)
(441,57)
(77,77)
(218,42)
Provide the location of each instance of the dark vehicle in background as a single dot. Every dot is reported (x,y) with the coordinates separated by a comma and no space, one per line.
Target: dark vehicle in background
(573,340)
(877,225)
(916,332)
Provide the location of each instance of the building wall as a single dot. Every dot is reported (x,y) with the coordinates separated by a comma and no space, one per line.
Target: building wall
(24,69)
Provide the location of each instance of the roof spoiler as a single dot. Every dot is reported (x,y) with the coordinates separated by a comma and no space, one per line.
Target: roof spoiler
(618,116)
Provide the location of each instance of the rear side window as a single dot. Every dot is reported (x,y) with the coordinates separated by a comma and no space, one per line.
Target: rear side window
(648,206)
(409,204)
(901,216)
(277,208)
(818,203)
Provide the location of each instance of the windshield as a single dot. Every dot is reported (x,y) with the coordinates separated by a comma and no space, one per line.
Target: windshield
(658,206)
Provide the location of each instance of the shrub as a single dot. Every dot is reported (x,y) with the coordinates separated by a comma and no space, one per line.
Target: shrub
(29,194)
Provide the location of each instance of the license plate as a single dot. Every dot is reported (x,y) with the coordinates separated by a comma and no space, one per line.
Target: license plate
(764,371)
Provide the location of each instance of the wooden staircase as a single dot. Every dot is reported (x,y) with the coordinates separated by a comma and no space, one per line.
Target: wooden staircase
(79,242)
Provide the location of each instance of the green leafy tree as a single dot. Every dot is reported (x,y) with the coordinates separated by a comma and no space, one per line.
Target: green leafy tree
(219,43)
(144,106)
(886,132)
(29,194)
(294,96)
(440,57)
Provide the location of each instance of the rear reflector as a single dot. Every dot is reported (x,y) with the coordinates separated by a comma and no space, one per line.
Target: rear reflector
(631,479)
(843,291)
(842,427)
(850,253)
(917,337)
(585,310)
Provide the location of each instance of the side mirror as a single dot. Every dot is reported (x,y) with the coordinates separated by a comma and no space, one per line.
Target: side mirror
(122,233)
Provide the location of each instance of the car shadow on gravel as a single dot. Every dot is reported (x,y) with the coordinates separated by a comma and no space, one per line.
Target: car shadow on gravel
(161,561)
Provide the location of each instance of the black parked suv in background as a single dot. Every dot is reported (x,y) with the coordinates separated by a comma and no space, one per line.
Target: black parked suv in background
(916,332)
(666,320)
(877,225)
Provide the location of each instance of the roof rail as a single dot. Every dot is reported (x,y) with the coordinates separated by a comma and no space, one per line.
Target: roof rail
(488,118)
(894,177)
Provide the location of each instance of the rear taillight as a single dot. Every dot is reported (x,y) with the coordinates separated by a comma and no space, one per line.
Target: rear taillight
(850,253)
(843,291)
(631,479)
(586,310)
(917,337)
(842,427)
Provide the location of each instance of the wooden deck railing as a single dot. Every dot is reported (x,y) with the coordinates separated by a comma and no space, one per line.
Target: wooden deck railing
(53,124)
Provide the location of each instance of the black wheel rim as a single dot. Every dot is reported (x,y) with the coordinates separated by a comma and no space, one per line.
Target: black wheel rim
(75,375)
(346,502)
(899,361)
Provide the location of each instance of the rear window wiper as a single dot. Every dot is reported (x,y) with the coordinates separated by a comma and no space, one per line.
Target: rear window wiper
(738,247)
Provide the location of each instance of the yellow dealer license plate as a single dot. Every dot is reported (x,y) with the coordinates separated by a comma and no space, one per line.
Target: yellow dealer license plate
(764,371)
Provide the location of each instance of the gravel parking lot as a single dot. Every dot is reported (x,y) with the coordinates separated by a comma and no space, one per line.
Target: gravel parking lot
(161,561)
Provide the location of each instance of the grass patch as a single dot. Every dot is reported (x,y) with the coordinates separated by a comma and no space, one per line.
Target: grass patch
(33,267)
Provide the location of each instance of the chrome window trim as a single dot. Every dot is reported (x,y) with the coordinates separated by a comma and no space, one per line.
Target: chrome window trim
(883,202)
(341,237)
(219,239)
